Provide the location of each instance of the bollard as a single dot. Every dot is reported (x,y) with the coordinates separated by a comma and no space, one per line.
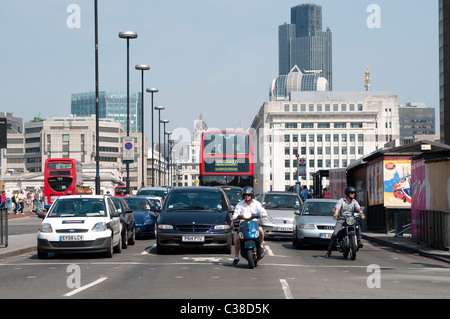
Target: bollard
(4,227)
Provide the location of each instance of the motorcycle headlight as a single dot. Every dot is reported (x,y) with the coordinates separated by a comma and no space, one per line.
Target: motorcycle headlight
(350,221)
(247,215)
(99,227)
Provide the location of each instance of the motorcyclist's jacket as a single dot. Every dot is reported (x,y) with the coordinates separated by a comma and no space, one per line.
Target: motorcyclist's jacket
(347,209)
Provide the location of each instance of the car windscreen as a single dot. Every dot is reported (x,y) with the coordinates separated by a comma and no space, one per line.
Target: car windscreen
(281,201)
(319,208)
(137,203)
(78,207)
(198,201)
(152,192)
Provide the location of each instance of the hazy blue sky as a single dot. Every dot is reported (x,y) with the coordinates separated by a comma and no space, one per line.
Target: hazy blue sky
(210,57)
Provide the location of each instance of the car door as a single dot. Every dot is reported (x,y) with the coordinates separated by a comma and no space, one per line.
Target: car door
(114,220)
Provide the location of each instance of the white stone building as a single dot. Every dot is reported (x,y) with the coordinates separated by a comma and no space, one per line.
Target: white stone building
(327,130)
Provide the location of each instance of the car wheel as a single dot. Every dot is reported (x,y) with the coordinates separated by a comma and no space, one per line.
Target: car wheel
(109,251)
(132,239)
(118,247)
(42,255)
(125,238)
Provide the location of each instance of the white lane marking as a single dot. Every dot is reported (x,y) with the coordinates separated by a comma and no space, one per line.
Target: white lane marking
(268,250)
(75,291)
(286,290)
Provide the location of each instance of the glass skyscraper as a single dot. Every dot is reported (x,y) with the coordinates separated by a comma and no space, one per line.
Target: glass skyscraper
(112,105)
(303,43)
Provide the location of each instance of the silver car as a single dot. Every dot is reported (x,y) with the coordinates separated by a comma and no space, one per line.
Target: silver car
(314,223)
(280,208)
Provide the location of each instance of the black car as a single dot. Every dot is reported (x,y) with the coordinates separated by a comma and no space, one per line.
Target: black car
(127,221)
(195,217)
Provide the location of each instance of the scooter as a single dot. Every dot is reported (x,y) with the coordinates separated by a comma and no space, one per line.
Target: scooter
(346,240)
(249,239)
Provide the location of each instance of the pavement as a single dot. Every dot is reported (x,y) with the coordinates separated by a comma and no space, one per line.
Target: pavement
(26,243)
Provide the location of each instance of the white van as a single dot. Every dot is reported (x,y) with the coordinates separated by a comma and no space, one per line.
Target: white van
(80,223)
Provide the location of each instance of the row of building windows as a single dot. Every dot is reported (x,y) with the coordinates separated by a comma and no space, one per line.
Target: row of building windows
(325,125)
(324,137)
(335,107)
(321,163)
(320,150)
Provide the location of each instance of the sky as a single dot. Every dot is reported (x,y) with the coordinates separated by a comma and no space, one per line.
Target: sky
(207,57)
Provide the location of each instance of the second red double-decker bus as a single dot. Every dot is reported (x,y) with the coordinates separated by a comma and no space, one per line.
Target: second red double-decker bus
(226,159)
(62,176)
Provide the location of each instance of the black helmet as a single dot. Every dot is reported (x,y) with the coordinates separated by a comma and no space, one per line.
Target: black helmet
(248,190)
(350,189)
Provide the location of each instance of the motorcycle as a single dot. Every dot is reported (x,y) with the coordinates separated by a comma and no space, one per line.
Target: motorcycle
(346,239)
(250,243)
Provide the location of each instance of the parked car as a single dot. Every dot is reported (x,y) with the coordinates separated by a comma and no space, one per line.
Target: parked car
(127,221)
(314,223)
(145,218)
(195,217)
(154,191)
(280,208)
(80,223)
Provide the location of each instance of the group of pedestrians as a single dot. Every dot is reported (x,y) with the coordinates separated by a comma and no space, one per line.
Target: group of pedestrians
(17,202)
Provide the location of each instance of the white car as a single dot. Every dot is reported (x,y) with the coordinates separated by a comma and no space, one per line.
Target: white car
(80,223)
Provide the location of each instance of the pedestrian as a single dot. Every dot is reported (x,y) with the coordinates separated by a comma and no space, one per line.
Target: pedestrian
(22,199)
(9,196)
(16,202)
(304,193)
(39,198)
(3,200)
(326,193)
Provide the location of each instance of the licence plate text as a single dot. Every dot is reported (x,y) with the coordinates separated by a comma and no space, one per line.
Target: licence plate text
(70,237)
(190,238)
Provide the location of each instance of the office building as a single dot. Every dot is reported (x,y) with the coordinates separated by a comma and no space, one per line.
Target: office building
(112,105)
(326,130)
(415,119)
(302,43)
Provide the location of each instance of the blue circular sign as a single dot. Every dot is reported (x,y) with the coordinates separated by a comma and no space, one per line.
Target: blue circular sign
(128,145)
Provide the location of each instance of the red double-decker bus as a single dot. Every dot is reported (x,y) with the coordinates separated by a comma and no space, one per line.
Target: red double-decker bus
(62,176)
(226,159)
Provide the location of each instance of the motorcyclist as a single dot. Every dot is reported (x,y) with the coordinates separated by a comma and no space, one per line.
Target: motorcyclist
(345,207)
(247,203)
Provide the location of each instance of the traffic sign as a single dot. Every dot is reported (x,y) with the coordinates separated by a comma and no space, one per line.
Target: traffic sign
(128,148)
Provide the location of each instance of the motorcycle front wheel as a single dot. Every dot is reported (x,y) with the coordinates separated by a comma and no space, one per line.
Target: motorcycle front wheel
(250,259)
(353,247)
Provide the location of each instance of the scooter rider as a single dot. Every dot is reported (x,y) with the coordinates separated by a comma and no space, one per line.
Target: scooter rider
(247,203)
(344,208)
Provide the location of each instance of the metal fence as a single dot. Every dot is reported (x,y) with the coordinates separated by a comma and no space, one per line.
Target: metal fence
(3,227)
(432,227)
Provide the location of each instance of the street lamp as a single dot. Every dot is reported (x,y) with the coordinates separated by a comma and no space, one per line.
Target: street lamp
(171,142)
(128,35)
(159,108)
(164,137)
(97,129)
(142,67)
(168,133)
(152,90)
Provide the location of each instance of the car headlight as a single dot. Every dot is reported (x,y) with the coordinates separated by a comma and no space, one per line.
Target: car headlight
(99,227)
(267,221)
(46,228)
(165,226)
(307,226)
(222,227)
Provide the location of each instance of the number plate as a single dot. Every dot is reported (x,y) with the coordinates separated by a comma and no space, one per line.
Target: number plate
(70,237)
(325,236)
(196,239)
(284,229)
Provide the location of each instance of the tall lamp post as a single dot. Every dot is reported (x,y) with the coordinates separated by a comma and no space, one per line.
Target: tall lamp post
(164,137)
(152,90)
(142,68)
(159,108)
(97,138)
(128,35)
(171,142)
(168,133)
